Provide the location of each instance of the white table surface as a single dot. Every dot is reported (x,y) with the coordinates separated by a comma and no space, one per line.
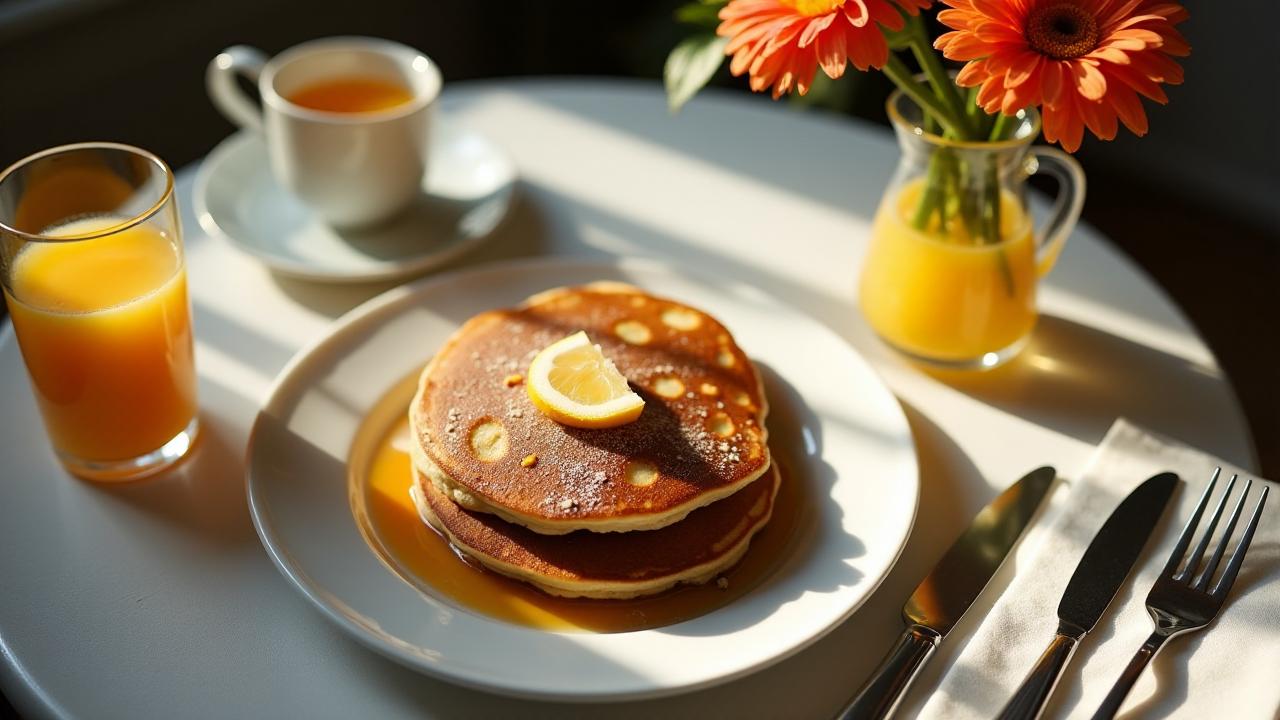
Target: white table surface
(156,600)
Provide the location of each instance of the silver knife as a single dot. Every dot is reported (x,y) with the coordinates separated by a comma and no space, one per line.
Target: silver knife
(1101,572)
(950,588)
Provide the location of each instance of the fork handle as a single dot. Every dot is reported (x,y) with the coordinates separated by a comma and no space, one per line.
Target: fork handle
(1111,704)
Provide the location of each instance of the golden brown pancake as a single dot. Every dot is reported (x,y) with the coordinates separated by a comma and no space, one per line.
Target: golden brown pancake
(606,565)
(700,438)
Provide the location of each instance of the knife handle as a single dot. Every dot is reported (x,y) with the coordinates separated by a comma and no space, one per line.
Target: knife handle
(880,695)
(1028,702)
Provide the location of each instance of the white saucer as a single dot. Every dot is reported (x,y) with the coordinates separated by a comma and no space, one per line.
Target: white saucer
(469,189)
(832,422)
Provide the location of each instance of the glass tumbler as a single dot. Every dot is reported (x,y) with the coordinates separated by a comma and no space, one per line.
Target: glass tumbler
(95,281)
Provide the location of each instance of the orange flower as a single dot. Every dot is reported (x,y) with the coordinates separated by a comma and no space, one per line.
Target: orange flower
(1084,61)
(782,43)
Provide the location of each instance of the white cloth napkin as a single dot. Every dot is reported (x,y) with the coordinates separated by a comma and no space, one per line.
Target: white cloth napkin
(1229,670)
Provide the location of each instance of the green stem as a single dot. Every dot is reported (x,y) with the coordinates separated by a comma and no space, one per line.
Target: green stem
(971,110)
(897,71)
(971,101)
(981,120)
(1000,128)
(934,196)
(931,124)
(936,74)
(1006,273)
(991,201)
(951,193)
(970,203)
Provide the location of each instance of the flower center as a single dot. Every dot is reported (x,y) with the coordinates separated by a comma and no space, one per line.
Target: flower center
(811,8)
(1062,30)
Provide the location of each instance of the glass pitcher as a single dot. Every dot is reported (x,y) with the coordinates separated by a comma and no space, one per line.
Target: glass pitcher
(951,271)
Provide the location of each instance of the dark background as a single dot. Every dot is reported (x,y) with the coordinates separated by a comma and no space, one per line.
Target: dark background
(1197,203)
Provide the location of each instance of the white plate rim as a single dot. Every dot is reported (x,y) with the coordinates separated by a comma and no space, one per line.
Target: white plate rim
(369,312)
(232,144)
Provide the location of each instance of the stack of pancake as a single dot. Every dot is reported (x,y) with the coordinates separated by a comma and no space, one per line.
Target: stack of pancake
(672,497)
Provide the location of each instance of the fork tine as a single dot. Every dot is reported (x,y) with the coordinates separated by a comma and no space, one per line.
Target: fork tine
(1194,561)
(1212,565)
(1237,558)
(1175,557)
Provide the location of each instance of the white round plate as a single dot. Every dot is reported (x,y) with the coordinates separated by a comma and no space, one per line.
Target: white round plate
(831,417)
(468,190)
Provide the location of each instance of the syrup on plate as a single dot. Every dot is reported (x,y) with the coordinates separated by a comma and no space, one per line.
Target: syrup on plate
(380,475)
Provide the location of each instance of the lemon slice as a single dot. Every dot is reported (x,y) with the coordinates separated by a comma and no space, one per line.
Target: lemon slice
(573,383)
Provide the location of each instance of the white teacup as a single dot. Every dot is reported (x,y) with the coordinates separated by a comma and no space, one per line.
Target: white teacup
(351,168)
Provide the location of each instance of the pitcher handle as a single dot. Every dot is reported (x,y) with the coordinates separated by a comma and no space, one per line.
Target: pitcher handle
(220,83)
(1066,208)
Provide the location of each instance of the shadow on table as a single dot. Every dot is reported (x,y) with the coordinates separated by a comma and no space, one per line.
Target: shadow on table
(232,338)
(541,212)
(698,132)
(1077,379)
(749,266)
(203,496)
(523,233)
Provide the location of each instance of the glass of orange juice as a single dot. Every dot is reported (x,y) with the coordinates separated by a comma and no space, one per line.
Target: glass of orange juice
(96,285)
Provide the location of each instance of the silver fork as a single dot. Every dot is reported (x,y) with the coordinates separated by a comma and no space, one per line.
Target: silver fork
(1176,604)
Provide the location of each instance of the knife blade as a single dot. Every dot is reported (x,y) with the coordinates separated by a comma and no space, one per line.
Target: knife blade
(948,591)
(1101,572)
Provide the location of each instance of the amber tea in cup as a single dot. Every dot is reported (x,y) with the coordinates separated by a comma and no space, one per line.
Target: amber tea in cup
(351,95)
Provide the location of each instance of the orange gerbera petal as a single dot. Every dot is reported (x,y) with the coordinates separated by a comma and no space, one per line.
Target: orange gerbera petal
(815,28)
(1128,107)
(1084,62)
(782,43)
(1052,82)
(1065,126)
(833,51)
(1089,81)
(1023,68)
(972,74)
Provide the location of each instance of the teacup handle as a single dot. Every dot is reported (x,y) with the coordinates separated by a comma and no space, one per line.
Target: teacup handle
(220,83)
(1066,208)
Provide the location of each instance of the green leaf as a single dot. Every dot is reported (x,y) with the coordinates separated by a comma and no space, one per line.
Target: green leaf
(898,39)
(691,65)
(705,13)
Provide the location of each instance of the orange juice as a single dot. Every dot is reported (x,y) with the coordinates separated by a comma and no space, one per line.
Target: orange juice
(105,329)
(940,295)
(351,95)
